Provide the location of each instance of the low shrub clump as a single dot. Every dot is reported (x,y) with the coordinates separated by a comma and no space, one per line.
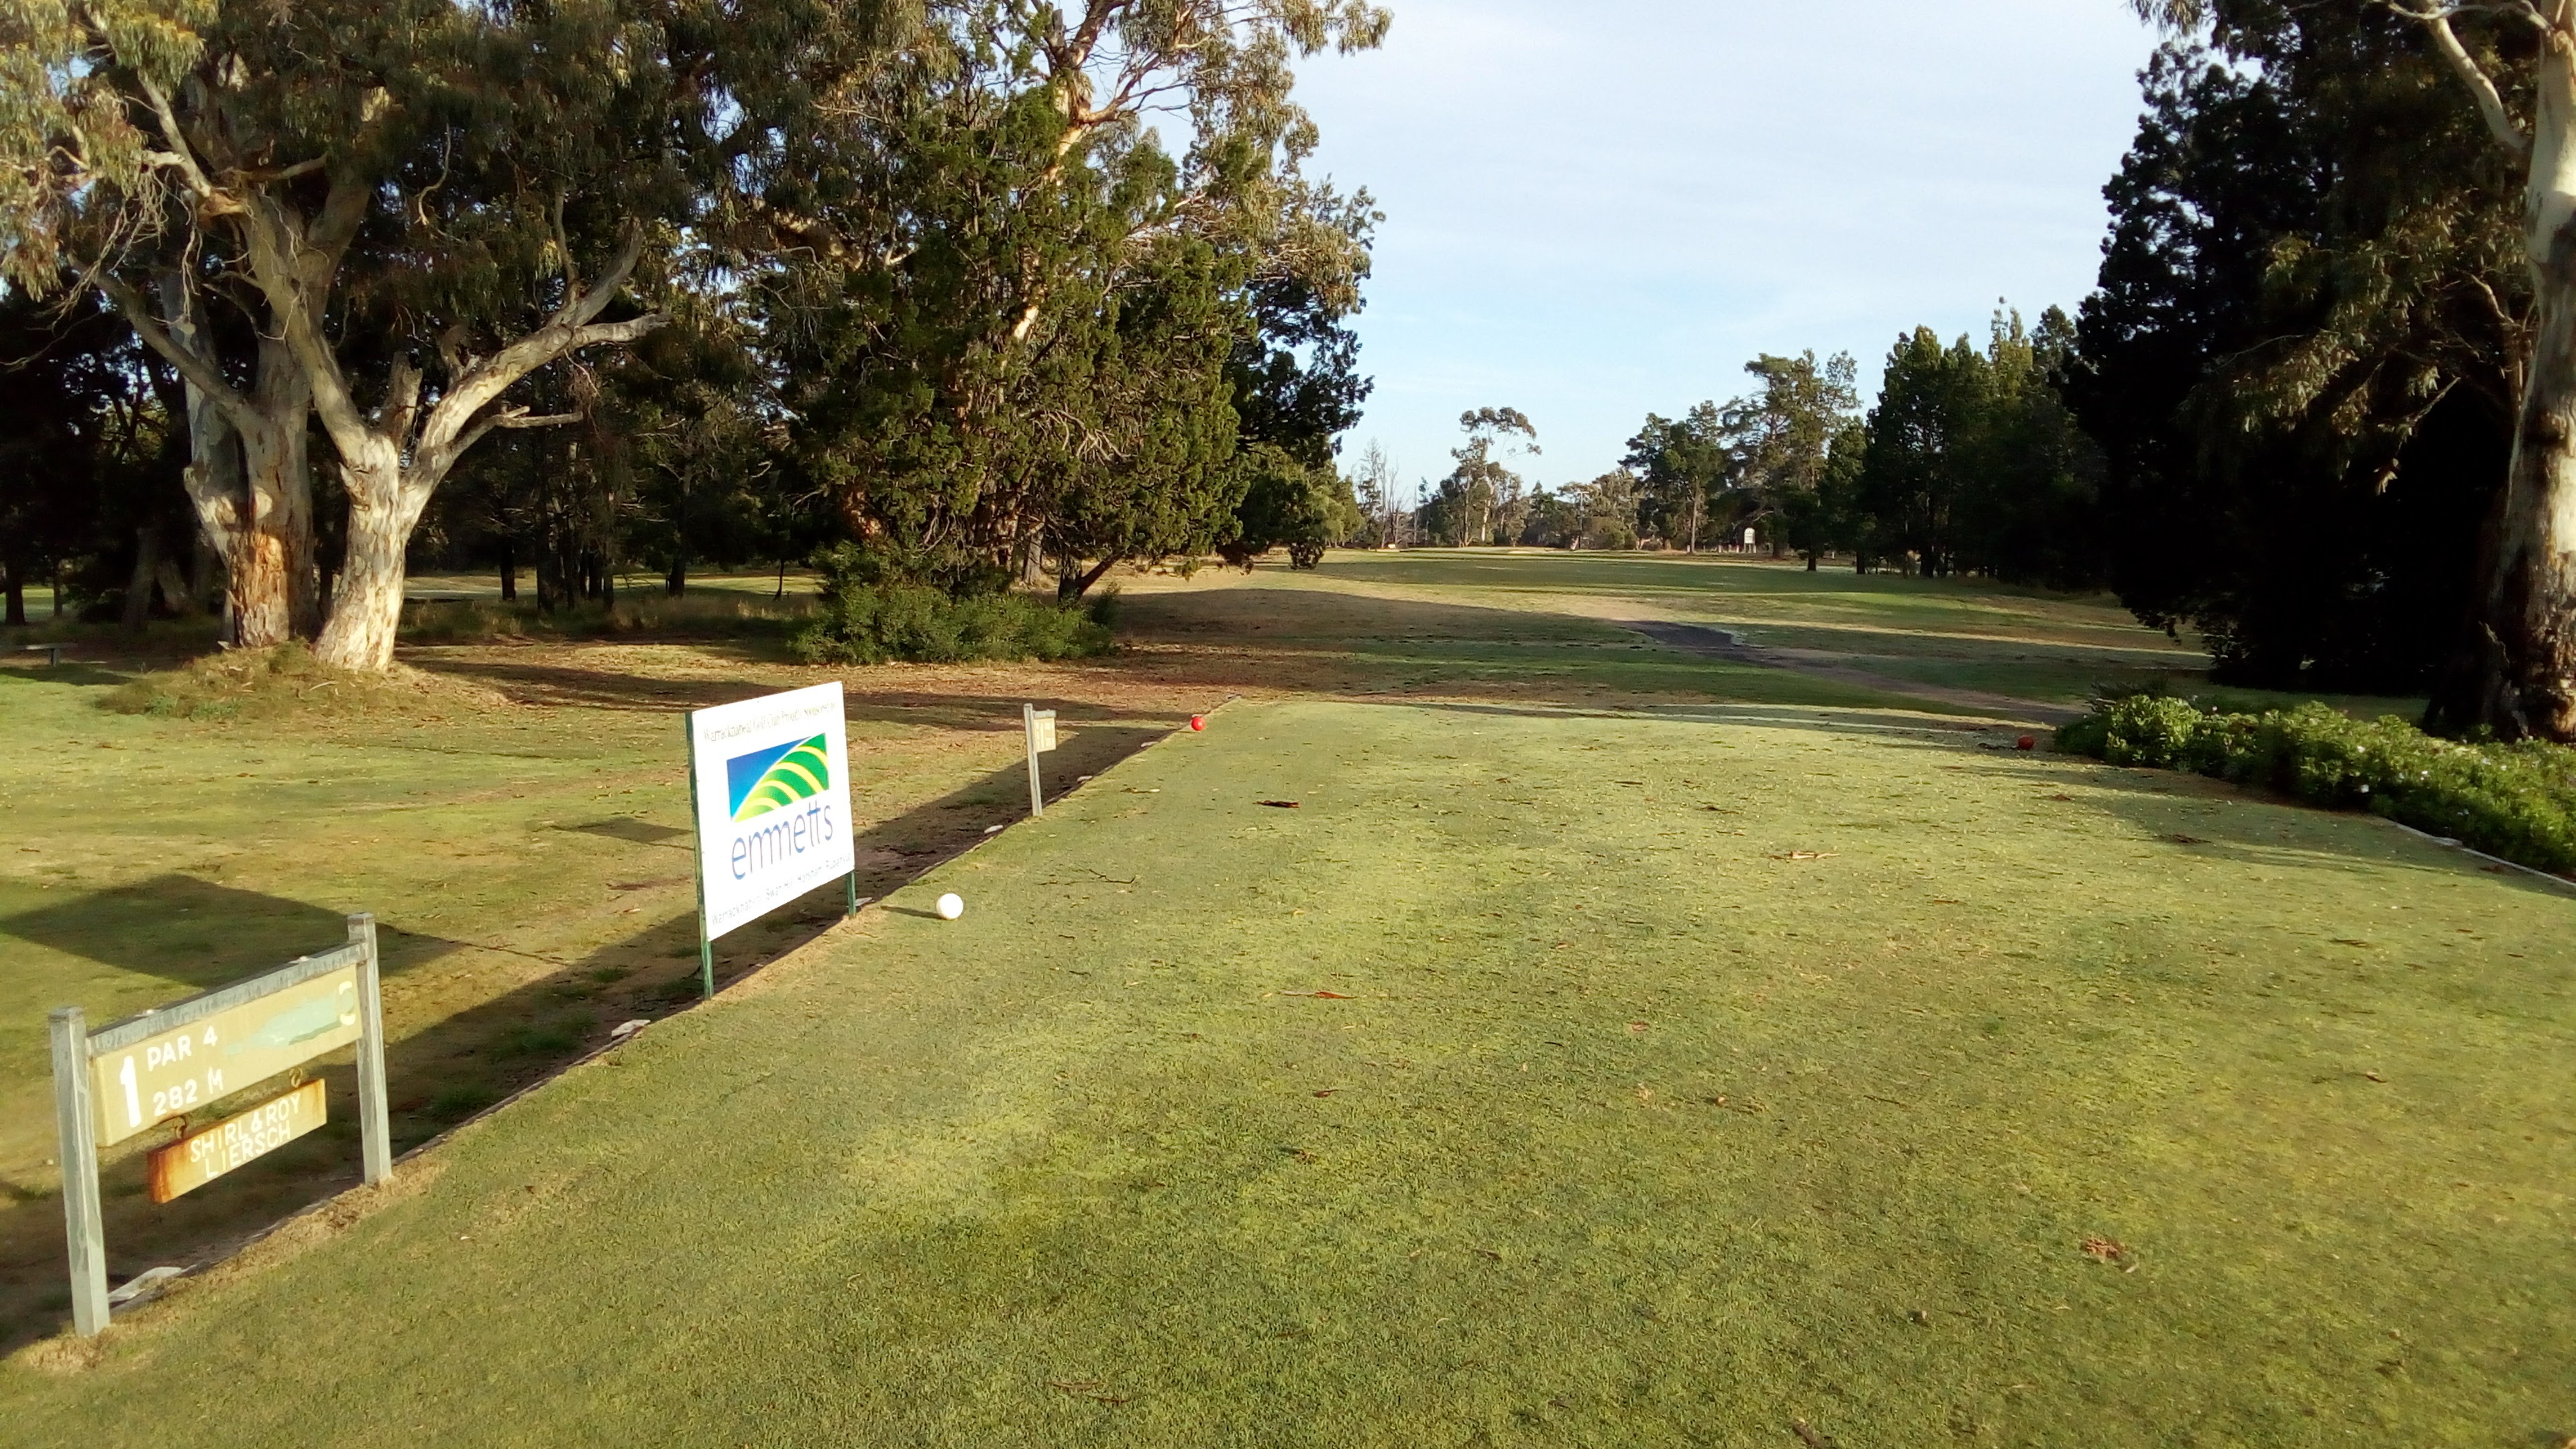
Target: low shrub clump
(2515,801)
(870,618)
(241,684)
(717,613)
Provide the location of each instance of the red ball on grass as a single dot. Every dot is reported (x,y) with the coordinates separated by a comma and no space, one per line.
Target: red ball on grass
(1198,721)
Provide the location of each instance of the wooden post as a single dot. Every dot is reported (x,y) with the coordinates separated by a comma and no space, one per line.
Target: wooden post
(375,1119)
(698,855)
(1029,733)
(84,1233)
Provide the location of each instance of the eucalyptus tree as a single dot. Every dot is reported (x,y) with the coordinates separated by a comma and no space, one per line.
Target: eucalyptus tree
(1604,510)
(1373,489)
(1481,495)
(1678,463)
(1013,323)
(414,204)
(2514,62)
(1779,439)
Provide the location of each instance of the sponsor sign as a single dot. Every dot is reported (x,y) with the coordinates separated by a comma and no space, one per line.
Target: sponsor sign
(188,1068)
(1041,731)
(201,1157)
(771,784)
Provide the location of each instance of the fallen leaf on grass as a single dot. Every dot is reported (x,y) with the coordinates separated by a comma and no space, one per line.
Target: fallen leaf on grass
(1328,1091)
(2067,798)
(2374,1076)
(1281,804)
(1490,1253)
(1635,1027)
(1808,855)
(1092,1389)
(2349,941)
(1321,995)
(1810,1435)
(2186,840)
(2105,1250)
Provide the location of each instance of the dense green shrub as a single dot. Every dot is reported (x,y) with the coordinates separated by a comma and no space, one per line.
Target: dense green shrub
(869,618)
(2515,801)
(702,612)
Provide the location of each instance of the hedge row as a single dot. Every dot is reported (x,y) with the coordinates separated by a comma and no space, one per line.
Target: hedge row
(880,623)
(2515,801)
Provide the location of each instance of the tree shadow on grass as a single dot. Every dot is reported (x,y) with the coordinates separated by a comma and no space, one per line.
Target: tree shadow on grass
(574,685)
(450,1070)
(1221,641)
(2191,813)
(72,672)
(1855,722)
(203,934)
(2182,811)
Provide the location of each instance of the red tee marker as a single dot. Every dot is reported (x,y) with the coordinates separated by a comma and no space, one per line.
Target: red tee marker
(1198,721)
(2026,742)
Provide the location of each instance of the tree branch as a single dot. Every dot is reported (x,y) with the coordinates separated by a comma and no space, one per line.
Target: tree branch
(273,269)
(2437,23)
(179,151)
(449,429)
(200,373)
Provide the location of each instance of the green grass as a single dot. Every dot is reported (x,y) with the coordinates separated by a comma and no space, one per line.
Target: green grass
(1687,1076)
(1963,634)
(518,849)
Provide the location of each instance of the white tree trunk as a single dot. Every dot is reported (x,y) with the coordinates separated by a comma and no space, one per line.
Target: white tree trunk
(2519,677)
(247,476)
(366,607)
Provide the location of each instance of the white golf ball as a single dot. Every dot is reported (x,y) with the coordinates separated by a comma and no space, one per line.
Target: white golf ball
(951,906)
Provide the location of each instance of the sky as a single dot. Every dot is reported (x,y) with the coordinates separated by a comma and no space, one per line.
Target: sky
(1595,211)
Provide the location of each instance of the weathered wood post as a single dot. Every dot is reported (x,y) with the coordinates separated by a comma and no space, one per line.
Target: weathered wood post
(84,1233)
(375,1120)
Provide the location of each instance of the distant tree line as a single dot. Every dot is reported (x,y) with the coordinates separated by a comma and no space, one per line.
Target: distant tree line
(1970,463)
(299,300)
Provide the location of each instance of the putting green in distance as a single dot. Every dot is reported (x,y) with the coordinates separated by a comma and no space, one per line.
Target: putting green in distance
(1544,1077)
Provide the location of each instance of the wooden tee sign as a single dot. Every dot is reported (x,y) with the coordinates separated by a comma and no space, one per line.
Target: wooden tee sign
(201,1157)
(189,1068)
(174,1062)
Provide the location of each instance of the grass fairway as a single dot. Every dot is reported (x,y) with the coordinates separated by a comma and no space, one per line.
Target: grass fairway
(1546,1077)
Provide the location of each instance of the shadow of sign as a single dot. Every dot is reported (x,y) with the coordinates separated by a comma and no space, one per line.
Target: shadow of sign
(632,831)
(200,933)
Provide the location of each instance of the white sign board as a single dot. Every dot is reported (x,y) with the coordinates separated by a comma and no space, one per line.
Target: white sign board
(771,783)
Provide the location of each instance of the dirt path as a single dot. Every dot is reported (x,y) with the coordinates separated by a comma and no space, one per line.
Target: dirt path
(1714,643)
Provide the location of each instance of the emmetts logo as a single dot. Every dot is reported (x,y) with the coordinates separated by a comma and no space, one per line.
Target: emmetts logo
(777,777)
(782,792)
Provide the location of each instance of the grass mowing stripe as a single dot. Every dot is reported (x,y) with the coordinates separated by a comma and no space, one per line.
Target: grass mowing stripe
(1624,1121)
